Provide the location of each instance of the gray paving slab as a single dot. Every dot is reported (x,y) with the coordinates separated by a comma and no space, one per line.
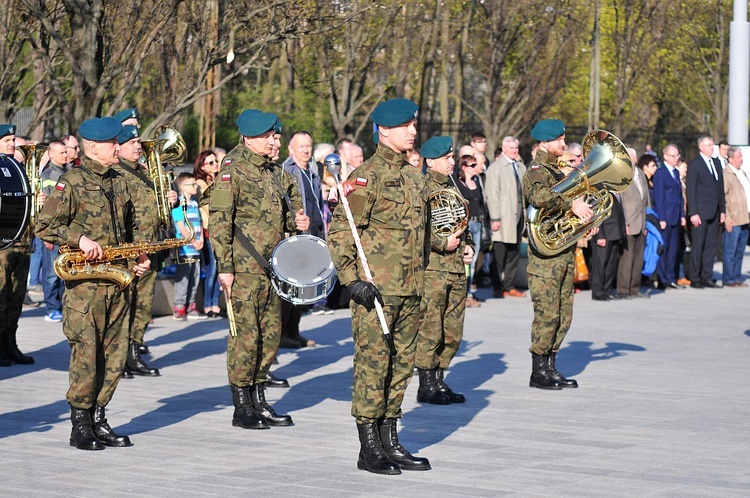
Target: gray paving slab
(662,411)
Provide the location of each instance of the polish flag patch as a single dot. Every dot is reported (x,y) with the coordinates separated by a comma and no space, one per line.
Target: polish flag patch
(360,182)
(226,177)
(60,186)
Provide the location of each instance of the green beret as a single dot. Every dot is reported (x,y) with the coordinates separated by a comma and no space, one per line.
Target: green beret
(253,122)
(436,147)
(7,129)
(548,129)
(126,114)
(100,129)
(395,112)
(128,133)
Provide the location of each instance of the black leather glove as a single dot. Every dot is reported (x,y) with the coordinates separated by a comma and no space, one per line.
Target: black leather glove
(364,293)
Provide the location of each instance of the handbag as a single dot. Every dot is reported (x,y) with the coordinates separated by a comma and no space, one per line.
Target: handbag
(485,239)
(582,271)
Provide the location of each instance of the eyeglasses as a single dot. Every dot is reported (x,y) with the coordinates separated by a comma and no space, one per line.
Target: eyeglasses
(473,165)
(209,162)
(672,155)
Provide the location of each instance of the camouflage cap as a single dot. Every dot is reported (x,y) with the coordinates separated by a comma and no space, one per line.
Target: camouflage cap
(254,122)
(395,112)
(128,133)
(548,129)
(7,129)
(436,147)
(100,129)
(131,113)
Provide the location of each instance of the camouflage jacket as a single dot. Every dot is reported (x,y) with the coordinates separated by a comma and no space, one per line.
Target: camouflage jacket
(440,258)
(246,196)
(144,198)
(78,206)
(389,207)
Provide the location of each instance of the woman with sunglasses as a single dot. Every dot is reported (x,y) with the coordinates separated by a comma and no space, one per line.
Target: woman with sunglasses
(471,188)
(205,170)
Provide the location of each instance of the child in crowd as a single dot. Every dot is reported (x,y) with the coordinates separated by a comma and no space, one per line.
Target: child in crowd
(187,275)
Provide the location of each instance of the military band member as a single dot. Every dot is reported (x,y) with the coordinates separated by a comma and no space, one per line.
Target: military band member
(14,271)
(550,277)
(249,195)
(441,321)
(141,290)
(389,210)
(128,117)
(90,207)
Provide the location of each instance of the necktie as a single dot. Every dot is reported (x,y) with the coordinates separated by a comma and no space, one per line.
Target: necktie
(676,175)
(711,168)
(518,182)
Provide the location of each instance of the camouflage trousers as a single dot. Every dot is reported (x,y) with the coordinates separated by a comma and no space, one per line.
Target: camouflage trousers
(257,312)
(551,287)
(141,302)
(383,368)
(14,271)
(93,316)
(441,321)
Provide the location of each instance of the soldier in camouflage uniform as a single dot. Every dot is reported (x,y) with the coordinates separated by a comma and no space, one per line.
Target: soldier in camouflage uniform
(250,195)
(441,322)
(90,207)
(141,189)
(389,209)
(550,277)
(14,271)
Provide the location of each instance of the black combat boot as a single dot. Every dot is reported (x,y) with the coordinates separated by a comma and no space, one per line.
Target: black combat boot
(143,348)
(82,436)
(372,456)
(540,376)
(428,391)
(11,348)
(245,415)
(136,365)
(453,396)
(4,360)
(557,376)
(104,432)
(396,452)
(273,381)
(258,394)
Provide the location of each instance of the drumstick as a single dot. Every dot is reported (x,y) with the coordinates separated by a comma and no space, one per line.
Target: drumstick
(230,317)
(333,165)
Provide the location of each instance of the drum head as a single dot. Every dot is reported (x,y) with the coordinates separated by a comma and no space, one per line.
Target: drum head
(302,259)
(15,201)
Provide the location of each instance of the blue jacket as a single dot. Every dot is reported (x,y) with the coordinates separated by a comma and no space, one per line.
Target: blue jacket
(654,243)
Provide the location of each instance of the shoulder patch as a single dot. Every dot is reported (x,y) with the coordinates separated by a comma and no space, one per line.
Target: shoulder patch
(226,176)
(60,186)
(535,166)
(227,161)
(361,182)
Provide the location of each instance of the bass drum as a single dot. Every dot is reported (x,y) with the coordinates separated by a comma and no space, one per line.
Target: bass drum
(303,272)
(15,200)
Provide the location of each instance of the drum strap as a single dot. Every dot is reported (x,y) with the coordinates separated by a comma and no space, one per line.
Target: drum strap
(248,245)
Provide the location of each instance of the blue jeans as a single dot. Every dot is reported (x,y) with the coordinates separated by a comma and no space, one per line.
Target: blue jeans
(475,227)
(734,249)
(211,289)
(35,267)
(52,284)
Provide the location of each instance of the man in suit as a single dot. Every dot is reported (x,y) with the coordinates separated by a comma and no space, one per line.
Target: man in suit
(669,206)
(506,214)
(605,251)
(635,200)
(706,207)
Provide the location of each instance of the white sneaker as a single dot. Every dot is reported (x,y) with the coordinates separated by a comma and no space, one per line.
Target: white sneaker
(195,315)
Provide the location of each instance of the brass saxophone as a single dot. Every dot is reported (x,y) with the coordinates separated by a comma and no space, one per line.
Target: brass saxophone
(32,155)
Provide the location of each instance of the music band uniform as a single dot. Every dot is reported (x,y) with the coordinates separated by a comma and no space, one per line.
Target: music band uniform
(389,210)
(248,195)
(550,277)
(93,200)
(441,322)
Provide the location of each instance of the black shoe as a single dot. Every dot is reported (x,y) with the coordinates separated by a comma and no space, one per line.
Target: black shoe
(696,285)
(481,300)
(372,456)
(620,297)
(126,373)
(602,298)
(262,408)
(143,348)
(104,432)
(245,415)
(540,375)
(82,436)
(273,381)
(4,360)
(557,376)
(710,284)
(136,365)
(428,391)
(397,453)
(675,285)
(453,396)
(11,349)
(661,286)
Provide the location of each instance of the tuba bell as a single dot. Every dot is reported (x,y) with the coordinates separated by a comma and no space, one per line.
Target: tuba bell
(167,146)
(606,169)
(32,156)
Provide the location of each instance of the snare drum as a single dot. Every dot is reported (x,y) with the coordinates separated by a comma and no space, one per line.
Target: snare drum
(303,272)
(15,200)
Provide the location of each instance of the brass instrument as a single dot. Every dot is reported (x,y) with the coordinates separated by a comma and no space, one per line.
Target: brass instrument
(606,168)
(167,146)
(32,155)
(449,212)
